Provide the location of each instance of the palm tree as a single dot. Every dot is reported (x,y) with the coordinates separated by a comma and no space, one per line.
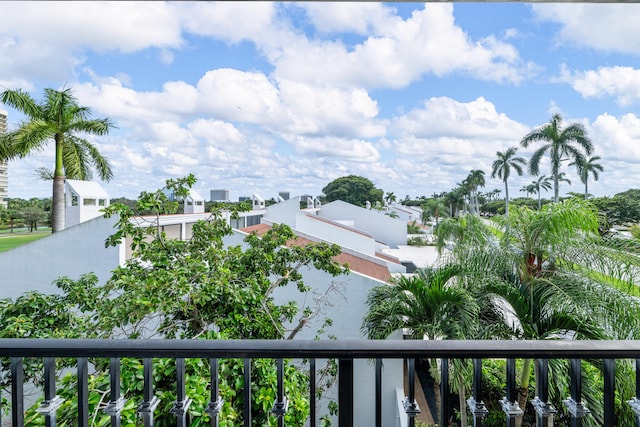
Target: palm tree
(502,166)
(551,277)
(58,118)
(560,144)
(434,208)
(526,189)
(585,167)
(542,183)
(390,197)
(429,306)
(474,180)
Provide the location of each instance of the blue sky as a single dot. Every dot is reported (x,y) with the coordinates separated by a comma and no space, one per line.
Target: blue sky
(260,97)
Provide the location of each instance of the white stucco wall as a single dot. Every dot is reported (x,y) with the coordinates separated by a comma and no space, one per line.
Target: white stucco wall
(382,227)
(75,251)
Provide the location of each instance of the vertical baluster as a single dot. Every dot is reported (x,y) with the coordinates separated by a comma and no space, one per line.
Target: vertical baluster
(150,402)
(544,409)
(609,368)
(216,402)
(116,402)
(410,406)
(83,392)
(574,403)
(17,392)
(312,392)
(345,392)
(51,402)
(181,406)
(281,403)
(635,401)
(247,392)
(475,403)
(510,402)
(378,392)
(444,393)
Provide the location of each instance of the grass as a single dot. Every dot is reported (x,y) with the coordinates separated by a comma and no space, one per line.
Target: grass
(9,240)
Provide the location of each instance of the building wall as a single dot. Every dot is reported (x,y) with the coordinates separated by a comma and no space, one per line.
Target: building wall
(382,227)
(75,251)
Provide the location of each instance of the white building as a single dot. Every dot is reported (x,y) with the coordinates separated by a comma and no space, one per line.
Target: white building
(84,200)
(193,203)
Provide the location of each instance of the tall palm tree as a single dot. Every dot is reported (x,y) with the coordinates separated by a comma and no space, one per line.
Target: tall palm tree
(60,119)
(474,180)
(390,197)
(502,166)
(542,183)
(585,167)
(567,143)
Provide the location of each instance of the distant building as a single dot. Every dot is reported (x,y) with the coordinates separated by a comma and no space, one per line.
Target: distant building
(84,200)
(285,195)
(193,203)
(219,195)
(4,167)
(244,198)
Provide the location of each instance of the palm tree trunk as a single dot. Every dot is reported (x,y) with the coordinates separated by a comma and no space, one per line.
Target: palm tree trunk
(462,402)
(555,188)
(586,190)
(523,392)
(506,199)
(57,203)
(539,201)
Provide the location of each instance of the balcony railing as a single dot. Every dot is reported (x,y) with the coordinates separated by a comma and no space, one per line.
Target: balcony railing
(345,352)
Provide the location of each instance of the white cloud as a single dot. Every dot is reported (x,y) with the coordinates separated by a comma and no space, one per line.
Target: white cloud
(348,149)
(360,18)
(621,83)
(606,27)
(427,42)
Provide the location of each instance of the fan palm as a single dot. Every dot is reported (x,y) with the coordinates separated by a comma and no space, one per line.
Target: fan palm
(586,167)
(561,144)
(60,119)
(502,167)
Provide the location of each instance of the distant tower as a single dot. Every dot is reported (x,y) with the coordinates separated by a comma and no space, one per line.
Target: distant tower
(4,174)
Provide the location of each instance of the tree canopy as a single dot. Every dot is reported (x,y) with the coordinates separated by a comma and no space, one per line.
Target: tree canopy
(60,119)
(353,189)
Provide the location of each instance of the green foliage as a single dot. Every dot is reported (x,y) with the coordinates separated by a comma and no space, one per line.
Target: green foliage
(184,289)
(353,189)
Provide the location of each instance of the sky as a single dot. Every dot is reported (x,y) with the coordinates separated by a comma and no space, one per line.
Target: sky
(258,97)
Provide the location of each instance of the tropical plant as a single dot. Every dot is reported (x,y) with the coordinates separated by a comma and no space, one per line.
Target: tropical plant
(560,143)
(550,277)
(586,167)
(389,197)
(502,167)
(60,119)
(434,208)
(542,183)
(429,306)
(474,180)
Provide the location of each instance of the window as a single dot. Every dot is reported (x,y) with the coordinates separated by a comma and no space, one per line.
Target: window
(74,200)
(89,202)
(102,202)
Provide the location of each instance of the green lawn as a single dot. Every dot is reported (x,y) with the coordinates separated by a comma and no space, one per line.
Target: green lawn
(11,240)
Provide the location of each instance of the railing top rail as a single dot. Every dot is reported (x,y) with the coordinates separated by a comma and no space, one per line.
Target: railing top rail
(358,349)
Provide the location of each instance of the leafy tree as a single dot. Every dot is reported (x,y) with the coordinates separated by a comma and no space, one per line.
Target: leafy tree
(187,289)
(502,166)
(353,189)
(58,118)
(586,167)
(561,144)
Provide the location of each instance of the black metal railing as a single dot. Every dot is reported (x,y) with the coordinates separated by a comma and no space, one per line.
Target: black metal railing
(344,351)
